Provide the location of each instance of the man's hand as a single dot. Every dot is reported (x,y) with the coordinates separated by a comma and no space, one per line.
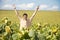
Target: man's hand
(14,6)
(37,8)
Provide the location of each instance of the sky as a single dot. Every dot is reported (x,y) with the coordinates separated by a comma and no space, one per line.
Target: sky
(30,4)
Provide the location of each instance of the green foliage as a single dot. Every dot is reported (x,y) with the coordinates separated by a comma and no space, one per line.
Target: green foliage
(38,31)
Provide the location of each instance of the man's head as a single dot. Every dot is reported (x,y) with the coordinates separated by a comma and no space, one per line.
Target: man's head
(25,15)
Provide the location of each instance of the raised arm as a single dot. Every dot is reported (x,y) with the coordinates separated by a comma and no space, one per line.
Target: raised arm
(34,13)
(16,12)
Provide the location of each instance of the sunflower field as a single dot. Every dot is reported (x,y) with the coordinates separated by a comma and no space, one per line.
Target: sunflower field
(38,31)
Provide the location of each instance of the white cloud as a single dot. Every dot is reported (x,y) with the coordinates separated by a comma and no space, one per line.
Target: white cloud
(9,0)
(5,0)
(47,7)
(43,6)
(30,6)
(16,0)
(7,6)
(54,7)
(26,6)
(19,6)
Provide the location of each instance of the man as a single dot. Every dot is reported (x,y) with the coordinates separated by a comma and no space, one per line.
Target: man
(24,21)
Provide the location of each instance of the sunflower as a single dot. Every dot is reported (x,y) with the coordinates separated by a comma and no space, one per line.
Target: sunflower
(54,30)
(7,29)
(6,21)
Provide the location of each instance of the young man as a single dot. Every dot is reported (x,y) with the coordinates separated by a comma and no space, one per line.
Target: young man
(24,21)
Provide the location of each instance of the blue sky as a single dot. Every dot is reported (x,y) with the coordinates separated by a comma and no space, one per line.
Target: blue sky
(30,4)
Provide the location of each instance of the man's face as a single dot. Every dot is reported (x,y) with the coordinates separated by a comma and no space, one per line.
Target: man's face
(25,17)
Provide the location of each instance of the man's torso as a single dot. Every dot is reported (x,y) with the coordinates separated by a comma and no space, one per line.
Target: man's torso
(24,23)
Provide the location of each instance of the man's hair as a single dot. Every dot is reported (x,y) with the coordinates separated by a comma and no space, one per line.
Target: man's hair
(25,14)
